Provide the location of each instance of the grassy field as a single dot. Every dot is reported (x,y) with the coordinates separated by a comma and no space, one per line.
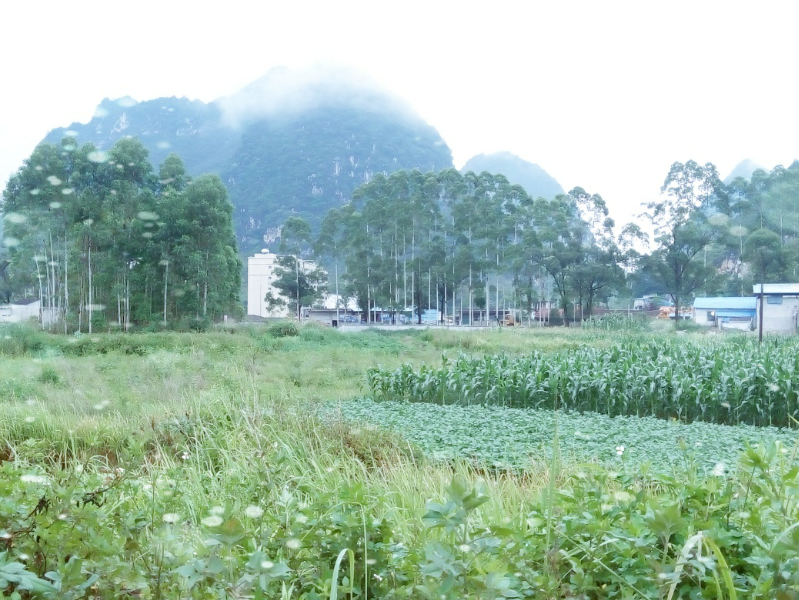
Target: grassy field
(247,464)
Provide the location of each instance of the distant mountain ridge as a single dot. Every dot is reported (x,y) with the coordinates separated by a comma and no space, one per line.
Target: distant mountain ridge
(535,180)
(290,143)
(744,169)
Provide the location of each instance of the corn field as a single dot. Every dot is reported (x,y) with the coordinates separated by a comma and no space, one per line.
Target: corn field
(730,381)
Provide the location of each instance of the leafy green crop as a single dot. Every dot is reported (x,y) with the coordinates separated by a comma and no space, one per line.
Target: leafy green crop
(500,437)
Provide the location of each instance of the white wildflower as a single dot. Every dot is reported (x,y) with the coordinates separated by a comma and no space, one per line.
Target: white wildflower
(253,511)
(293,544)
(212,521)
(718,470)
(623,497)
(171,518)
(267,564)
(31,478)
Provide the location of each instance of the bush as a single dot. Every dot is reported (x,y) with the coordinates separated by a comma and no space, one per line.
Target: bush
(196,324)
(49,375)
(283,329)
(19,340)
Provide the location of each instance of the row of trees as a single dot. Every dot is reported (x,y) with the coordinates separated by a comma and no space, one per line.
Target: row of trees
(101,239)
(439,240)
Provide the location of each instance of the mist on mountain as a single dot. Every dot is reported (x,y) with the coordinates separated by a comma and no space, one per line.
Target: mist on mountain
(292,143)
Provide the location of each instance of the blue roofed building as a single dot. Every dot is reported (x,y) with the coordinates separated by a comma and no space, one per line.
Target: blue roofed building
(726,312)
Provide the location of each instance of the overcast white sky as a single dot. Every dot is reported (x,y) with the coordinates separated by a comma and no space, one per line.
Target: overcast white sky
(605,95)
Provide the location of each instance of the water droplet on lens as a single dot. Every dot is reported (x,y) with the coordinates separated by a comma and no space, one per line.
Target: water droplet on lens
(17,218)
(98,156)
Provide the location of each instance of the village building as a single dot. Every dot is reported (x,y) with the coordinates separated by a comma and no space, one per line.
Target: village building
(20,311)
(780,307)
(725,312)
(260,279)
(334,311)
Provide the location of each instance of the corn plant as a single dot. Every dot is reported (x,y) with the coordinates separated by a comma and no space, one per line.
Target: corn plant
(727,382)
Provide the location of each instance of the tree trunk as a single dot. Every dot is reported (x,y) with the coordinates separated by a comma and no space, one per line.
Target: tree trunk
(91,298)
(166,286)
(127,302)
(338,318)
(41,293)
(297,269)
(488,300)
(760,328)
(66,284)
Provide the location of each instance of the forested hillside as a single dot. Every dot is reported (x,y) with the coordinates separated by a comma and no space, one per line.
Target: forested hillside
(282,147)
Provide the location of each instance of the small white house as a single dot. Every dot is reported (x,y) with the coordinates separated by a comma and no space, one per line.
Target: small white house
(780,307)
(20,311)
(725,312)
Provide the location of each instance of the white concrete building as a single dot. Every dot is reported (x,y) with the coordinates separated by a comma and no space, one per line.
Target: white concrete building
(780,307)
(20,311)
(260,277)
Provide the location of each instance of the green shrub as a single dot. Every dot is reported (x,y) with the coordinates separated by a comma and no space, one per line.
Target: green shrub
(283,329)
(20,340)
(49,375)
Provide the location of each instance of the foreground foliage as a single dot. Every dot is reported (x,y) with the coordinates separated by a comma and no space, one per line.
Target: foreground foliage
(731,381)
(597,534)
(198,466)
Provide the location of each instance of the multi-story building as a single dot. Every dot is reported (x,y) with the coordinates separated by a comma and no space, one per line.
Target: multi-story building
(260,277)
